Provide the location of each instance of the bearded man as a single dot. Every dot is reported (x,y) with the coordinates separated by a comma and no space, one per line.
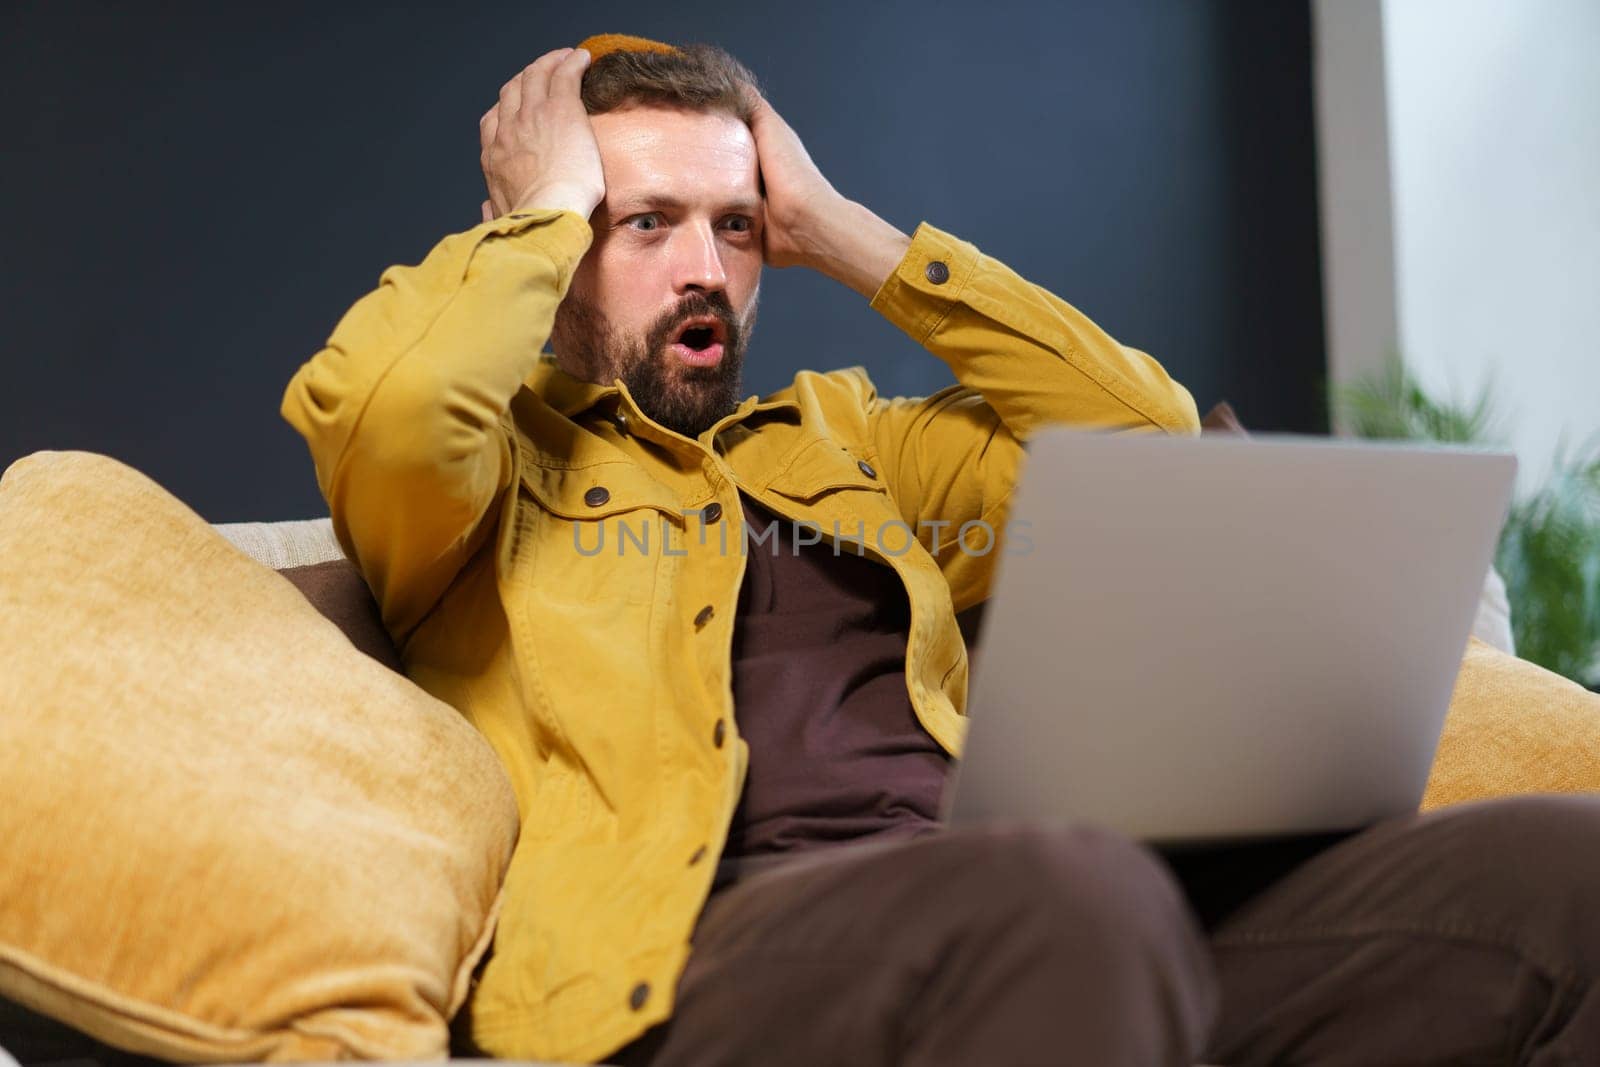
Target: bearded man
(728,759)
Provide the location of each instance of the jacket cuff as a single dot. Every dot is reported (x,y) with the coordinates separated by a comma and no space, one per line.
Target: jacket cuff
(927,282)
(563,236)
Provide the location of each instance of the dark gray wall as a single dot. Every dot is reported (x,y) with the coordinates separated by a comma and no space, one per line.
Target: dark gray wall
(196,192)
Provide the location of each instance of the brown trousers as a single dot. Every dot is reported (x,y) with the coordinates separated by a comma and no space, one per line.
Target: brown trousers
(1470,936)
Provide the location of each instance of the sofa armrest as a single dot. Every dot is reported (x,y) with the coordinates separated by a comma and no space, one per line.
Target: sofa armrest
(294,543)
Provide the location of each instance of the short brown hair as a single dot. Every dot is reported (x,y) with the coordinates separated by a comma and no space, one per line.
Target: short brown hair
(698,77)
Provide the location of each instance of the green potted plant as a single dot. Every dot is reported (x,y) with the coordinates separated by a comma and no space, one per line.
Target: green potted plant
(1549,549)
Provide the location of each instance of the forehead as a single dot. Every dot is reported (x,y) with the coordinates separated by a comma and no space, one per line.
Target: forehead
(687,155)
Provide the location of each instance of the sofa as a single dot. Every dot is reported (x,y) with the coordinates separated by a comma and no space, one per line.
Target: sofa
(1512,728)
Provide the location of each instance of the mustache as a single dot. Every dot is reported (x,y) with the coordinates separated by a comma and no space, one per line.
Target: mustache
(698,305)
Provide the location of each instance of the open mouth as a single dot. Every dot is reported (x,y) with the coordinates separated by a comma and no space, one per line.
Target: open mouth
(698,338)
(700,342)
(701,333)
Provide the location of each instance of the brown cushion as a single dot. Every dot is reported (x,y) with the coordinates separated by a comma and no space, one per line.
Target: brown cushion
(228,835)
(1221,419)
(337,590)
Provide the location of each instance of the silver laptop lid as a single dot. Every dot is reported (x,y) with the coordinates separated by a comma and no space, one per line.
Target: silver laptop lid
(1222,637)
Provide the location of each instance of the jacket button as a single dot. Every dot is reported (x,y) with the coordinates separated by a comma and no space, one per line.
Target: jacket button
(702,617)
(719,733)
(937,272)
(711,513)
(699,854)
(866,468)
(639,995)
(620,421)
(597,496)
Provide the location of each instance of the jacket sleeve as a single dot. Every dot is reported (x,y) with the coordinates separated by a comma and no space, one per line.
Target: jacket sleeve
(1023,359)
(403,408)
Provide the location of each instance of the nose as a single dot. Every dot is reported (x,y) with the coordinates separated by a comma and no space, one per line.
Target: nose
(696,259)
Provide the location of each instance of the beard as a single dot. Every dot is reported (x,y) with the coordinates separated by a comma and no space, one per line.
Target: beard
(687,400)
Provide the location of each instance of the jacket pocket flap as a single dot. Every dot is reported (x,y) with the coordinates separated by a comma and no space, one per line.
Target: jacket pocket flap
(598,490)
(826,466)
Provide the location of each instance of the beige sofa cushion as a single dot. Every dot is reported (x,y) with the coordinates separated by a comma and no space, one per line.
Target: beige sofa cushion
(228,834)
(281,545)
(1514,727)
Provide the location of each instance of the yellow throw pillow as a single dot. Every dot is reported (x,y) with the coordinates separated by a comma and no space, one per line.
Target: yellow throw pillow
(1514,727)
(227,834)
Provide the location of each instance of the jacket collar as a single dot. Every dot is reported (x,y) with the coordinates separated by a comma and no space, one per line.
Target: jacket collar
(573,396)
(568,395)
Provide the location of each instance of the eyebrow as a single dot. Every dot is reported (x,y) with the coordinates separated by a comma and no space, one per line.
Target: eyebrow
(634,204)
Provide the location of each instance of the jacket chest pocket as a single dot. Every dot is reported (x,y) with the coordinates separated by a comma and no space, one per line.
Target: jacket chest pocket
(598,536)
(841,487)
(843,493)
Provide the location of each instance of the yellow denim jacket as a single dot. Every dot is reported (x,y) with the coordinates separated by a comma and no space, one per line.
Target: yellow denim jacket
(565,571)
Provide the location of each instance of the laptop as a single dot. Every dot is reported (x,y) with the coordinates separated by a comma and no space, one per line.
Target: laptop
(1195,640)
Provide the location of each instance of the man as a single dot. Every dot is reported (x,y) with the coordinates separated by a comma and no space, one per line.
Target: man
(576,550)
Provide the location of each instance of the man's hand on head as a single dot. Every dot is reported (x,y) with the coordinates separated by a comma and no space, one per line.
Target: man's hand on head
(539,149)
(800,202)
(808,223)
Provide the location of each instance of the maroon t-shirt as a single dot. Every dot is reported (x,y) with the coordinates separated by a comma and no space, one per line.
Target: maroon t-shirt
(819,692)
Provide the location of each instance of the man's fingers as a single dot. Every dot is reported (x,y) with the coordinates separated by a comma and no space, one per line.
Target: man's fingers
(758,103)
(530,85)
(486,127)
(536,78)
(511,95)
(766,114)
(567,79)
(536,145)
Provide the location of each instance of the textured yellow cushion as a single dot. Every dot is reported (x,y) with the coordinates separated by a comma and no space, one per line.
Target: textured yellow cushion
(1514,727)
(228,835)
